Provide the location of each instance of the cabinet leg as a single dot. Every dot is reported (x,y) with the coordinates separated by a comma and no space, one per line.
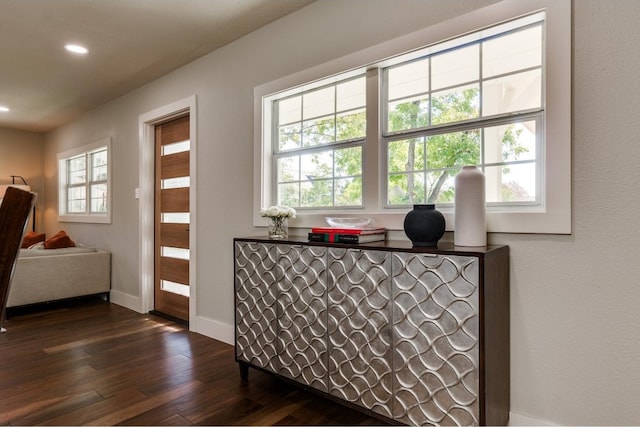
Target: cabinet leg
(244,371)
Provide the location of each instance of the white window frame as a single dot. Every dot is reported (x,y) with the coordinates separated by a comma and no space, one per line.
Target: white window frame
(88,216)
(552,216)
(357,142)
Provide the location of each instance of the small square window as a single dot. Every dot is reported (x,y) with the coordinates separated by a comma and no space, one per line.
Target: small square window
(84,184)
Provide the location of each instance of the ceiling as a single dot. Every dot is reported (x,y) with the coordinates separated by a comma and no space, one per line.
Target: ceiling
(130,42)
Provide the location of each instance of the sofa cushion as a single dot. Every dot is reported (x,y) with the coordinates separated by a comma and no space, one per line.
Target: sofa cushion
(31,238)
(59,240)
(40,252)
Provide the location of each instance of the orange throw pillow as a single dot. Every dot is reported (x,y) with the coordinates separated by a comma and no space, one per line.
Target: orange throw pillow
(31,238)
(59,240)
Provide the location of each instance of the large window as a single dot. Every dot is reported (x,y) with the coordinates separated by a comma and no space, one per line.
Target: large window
(477,102)
(84,179)
(318,156)
(395,132)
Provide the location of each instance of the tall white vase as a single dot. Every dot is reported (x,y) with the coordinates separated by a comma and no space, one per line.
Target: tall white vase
(470,210)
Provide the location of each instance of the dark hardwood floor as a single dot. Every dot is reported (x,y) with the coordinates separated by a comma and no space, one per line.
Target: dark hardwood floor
(96,363)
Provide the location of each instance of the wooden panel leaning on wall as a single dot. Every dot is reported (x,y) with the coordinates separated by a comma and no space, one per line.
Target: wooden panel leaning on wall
(14,213)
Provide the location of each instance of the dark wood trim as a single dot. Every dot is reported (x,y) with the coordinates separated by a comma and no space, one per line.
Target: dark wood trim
(443,248)
(496,340)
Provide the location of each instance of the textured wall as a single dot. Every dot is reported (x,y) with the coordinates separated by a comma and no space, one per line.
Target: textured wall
(574,305)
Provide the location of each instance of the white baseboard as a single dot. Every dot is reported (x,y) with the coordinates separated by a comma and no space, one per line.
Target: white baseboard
(516,419)
(213,329)
(202,325)
(225,333)
(126,300)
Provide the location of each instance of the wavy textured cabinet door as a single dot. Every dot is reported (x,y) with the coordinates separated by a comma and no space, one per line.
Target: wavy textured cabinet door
(360,328)
(436,339)
(255,301)
(419,336)
(302,314)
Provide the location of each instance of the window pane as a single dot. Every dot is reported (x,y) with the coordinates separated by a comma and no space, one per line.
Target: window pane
(511,183)
(348,161)
(455,67)
(99,165)
(288,168)
(348,191)
(290,110)
(308,180)
(77,163)
(174,288)
(171,252)
(180,182)
(289,194)
(512,93)
(351,94)
(99,158)
(408,80)
(176,147)
(406,189)
(316,165)
(421,170)
(512,52)
(99,173)
(408,114)
(175,217)
(516,141)
(454,149)
(289,137)
(351,125)
(76,200)
(77,177)
(318,132)
(76,206)
(440,186)
(318,103)
(316,193)
(76,170)
(407,155)
(455,105)
(99,198)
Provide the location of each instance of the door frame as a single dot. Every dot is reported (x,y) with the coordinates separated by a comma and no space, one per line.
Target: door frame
(145,194)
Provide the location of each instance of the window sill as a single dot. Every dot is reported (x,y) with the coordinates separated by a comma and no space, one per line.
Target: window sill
(534,222)
(97,219)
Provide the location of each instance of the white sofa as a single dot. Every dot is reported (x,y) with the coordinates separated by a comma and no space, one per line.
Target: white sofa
(44,275)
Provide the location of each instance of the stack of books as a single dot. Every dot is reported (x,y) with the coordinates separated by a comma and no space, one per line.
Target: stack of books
(346,235)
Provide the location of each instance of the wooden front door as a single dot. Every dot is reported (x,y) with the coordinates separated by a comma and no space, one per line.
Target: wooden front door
(172,218)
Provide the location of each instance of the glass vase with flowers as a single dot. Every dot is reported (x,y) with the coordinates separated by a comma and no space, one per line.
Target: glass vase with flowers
(278,220)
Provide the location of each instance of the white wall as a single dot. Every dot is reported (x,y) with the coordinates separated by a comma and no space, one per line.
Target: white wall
(575,328)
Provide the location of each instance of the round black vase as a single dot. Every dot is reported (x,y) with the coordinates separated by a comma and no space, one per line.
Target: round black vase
(424,225)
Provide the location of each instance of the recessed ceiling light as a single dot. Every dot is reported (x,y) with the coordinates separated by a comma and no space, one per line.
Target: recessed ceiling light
(4,109)
(75,48)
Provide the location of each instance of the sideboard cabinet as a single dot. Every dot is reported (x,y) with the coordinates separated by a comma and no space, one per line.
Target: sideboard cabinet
(416,336)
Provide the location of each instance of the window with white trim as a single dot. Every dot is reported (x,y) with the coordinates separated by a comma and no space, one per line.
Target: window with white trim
(318,155)
(475,100)
(489,97)
(84,183)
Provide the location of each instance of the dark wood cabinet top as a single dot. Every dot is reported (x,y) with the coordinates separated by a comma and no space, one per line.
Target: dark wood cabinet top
(443,248)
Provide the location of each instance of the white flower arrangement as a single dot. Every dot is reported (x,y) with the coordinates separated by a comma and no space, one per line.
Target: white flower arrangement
(278,212)
(278,215)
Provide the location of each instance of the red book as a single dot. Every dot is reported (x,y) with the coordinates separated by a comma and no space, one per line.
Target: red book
(358,231)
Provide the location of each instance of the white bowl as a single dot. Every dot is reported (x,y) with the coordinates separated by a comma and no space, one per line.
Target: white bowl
(348,222)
